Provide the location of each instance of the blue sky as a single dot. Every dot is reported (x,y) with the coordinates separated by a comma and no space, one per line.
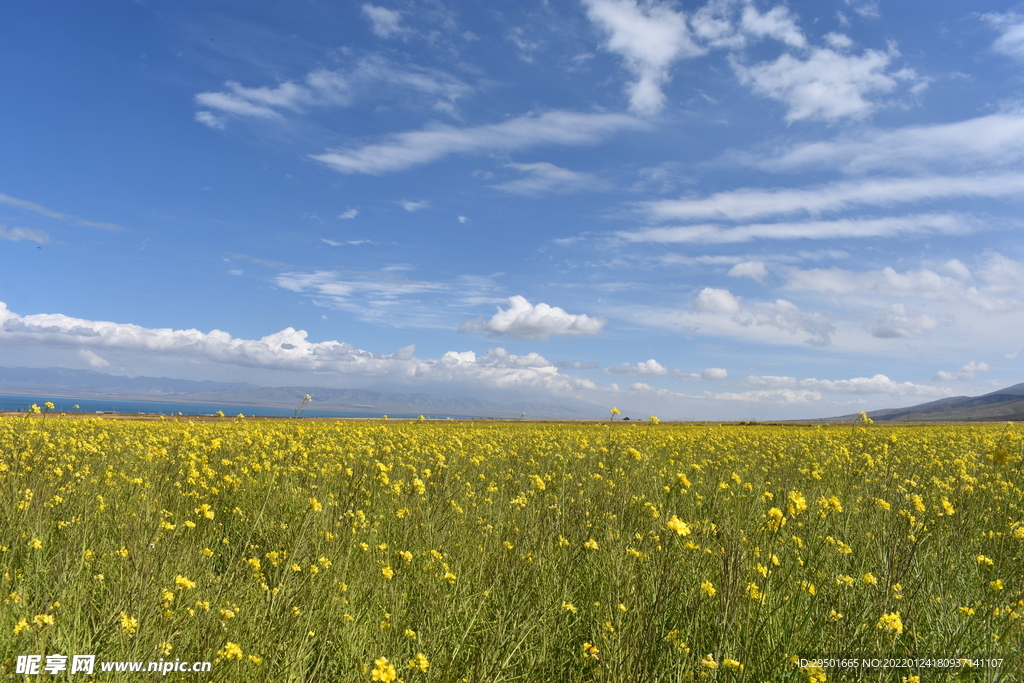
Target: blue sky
(716,210)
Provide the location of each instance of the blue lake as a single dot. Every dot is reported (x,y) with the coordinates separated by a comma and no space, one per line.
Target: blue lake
(63,404)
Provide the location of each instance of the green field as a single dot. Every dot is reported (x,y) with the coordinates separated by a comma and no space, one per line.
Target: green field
(423,551)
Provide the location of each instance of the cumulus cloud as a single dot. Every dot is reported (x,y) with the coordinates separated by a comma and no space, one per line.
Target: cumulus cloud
(827,85)
(785,315)
(576,365)
(967,372)
(755,270)
(646,367)
(414,148)
(93,359)
(288,350)
(650,37)
(896,324)
(383,21)
(523,320)
(640,386)
(776,23)
(708,374)
(542,177)
(715,300)
(877,384)
(410,206)
(351,213)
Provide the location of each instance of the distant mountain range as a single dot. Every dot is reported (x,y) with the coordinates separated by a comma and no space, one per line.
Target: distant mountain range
(88,383)
(1005,404)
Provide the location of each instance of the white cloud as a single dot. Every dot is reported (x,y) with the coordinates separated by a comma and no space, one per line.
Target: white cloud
(289,351)
(523,320)
(546,177)
(867,9)
(463,219)
(1002,277)
(380,297)
(208,118)
(836,229)
(790,390)
(978,143)
(328,88)
(424,146)
(838,41)
(351,213)
(748,203)
(827,85)
(896,324)
(232,104)
(646,367)
(967,372)
(776,23)
(715,300)
(752,269)
(769,396)
(93,359)
(409,205)
(650,37)
(877,384)
(18,234)
(576,365)
(383,22)
(32,207)
(785,315)
(1011,33)
(640,386)
(708,374)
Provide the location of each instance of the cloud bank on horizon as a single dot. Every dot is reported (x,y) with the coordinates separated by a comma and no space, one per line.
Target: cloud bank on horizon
(722,209)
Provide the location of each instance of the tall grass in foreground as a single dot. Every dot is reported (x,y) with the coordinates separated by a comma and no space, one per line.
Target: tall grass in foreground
(510,552)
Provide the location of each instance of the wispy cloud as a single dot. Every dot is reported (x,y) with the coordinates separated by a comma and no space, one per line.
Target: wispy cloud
(326,88)
(19,234)
(351,213)
(546,177)
(1011,33)
(748,203)
(843,228)
(383,21)
(978,143)
(50,213)
(523,320)
(415,148)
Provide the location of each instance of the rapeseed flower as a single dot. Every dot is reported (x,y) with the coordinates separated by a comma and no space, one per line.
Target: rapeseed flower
(891,622)
(383,670)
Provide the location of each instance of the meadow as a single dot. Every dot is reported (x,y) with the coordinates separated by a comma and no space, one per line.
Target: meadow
(439,551)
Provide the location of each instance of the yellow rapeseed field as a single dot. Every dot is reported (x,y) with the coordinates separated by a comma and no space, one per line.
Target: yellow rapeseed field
(479,552)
